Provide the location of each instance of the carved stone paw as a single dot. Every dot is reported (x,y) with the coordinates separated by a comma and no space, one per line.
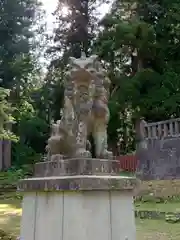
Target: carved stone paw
(107,155)
(57,157)
(83,154)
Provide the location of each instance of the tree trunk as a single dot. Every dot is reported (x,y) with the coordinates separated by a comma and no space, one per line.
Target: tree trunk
(7,150)
(7,154)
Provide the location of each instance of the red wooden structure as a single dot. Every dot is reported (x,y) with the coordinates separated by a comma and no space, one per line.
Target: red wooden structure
(128,162)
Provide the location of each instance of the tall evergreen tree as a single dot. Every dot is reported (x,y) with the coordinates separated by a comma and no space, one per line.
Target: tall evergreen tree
(16,30)
(140,43)
(74,33)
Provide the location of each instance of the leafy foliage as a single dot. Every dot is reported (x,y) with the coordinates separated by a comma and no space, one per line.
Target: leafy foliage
(21,76)
(6,117)
(140,43)
(17,19)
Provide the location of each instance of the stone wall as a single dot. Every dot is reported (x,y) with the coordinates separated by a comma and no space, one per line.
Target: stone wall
(158,150)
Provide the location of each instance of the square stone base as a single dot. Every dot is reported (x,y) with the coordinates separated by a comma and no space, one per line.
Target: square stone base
(78,215)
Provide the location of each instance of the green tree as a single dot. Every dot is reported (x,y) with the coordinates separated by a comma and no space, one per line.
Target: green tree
(6,118)
(17,19)
(21,28)
(139,43)
(73,35)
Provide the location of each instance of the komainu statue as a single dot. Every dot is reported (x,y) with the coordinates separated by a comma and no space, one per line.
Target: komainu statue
(85,112)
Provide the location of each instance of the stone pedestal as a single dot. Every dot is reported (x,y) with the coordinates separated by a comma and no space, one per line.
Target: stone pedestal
(93,202)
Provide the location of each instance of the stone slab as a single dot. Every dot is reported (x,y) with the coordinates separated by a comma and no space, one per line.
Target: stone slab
(28,220)
(78,183)
(106,215)
(77,166)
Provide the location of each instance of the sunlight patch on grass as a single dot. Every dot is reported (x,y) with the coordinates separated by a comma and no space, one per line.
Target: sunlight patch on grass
(9,209)
(10,224)
(10,216)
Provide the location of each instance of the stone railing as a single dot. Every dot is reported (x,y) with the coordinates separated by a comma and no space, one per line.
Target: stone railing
(163,129)
(158,150)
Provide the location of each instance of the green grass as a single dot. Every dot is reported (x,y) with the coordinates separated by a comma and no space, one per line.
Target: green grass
(163,207)
(10,215)
(157,230)
(160,189)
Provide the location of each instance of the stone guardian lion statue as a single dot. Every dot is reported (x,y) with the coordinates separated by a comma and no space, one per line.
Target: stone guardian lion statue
(85,111)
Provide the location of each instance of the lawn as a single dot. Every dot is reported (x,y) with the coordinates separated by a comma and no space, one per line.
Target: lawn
(10,215)
(157,230)
(160,188)
(162,207)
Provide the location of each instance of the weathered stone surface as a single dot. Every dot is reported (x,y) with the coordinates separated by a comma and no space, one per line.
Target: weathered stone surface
(144,214)
(158,150)
(172,217)
(157,215)
(95,183)
(77,166)
(85,111)
(78,183)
